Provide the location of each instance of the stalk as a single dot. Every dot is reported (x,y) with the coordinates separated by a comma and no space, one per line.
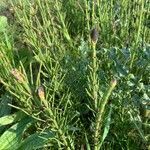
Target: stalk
(141,2)
(41,94)
(100,114)
(94,38)
(59,130)
(87,14)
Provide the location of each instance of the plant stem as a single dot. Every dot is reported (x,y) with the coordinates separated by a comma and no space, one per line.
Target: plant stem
(59,130)
(100,113)
(94,75)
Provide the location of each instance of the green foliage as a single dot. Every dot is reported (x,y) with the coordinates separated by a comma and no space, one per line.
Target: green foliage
(36,141)
(62,87)
(3,23)
(11,138)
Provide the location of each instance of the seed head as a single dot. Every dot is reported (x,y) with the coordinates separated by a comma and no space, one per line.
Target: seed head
(18,75)
(94,35)
(114,82)
(41,92)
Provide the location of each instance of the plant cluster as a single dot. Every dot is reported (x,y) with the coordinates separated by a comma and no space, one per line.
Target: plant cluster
(75,74)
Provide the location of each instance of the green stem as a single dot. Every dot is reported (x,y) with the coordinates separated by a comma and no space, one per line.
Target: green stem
(59,130)
(94,75)
(87,14)
(138,32)
(100,113)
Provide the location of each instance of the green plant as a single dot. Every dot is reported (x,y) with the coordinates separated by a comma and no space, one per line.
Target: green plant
(58,82)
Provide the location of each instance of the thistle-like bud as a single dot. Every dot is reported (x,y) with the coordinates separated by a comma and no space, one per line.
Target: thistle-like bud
(41,93)
(113,82)
(94,35)
(18,75)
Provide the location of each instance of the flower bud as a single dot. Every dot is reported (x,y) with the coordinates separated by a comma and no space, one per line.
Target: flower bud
(94,35)
(18,75)
(41,93)
(113,82)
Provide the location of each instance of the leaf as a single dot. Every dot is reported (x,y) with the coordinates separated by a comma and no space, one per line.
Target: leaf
(126,53)
(87,142)
(121,69)
(8,119)
(37,140)
(74,129)
(2,5)
(11,138)
(139,129)
(4,108)
(3,23)
(107,127)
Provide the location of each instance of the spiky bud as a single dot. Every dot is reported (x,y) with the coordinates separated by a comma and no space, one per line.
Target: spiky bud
(41,93)
(113,82)
(94,35)
(18,75)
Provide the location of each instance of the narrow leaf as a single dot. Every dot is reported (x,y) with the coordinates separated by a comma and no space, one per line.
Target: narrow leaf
(107,127)
(87,142)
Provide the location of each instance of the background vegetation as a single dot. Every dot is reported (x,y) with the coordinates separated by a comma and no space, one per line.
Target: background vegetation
(74,74)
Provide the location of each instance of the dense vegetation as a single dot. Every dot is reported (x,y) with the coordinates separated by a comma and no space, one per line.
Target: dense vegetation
(74,74)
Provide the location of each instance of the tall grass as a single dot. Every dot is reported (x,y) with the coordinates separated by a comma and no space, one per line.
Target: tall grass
(75,75)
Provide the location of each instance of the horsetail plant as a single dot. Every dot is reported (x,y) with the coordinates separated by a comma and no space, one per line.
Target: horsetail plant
(18,75)
(100,113)
(51,69)
(41,94)
(99,103)
(94,67)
